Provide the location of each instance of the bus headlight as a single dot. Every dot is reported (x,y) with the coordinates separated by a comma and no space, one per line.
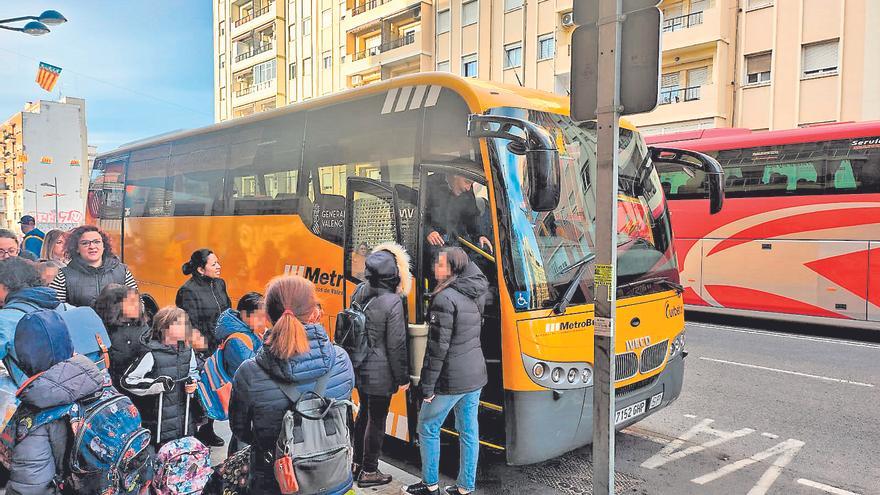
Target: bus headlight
(572,375)
(677,346)
(587,375)
(539,370)
(556,375)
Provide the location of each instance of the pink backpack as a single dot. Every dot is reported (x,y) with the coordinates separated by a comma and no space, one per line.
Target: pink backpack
(183,466)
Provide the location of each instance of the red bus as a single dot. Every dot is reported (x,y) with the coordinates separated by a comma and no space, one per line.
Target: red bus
(799,236)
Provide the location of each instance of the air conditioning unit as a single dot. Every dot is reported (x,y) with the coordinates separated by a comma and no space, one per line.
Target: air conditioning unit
(357,79)
(568,19)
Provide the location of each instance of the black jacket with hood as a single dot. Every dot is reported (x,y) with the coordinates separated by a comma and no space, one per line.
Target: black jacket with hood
(454,362)
(204,298)
(386,366)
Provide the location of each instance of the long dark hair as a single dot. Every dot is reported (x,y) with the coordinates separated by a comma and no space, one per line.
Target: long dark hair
(108,305)
(458,260)
(71,245)
(199,259)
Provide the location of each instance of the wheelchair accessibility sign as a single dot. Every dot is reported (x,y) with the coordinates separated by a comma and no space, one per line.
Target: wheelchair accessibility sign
(522,299)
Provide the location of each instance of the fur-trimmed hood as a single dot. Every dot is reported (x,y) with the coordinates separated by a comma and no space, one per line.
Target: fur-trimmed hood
(402,262)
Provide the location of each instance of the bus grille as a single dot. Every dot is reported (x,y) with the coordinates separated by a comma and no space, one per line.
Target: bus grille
(635,387)
(653,356)
(625,366)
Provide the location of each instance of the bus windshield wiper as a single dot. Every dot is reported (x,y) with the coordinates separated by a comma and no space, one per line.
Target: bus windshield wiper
(562,304)
(678,288)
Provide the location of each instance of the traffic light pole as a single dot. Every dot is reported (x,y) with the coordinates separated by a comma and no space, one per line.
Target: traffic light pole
(608,112)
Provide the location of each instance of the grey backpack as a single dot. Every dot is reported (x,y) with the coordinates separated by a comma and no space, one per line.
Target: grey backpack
(315,440)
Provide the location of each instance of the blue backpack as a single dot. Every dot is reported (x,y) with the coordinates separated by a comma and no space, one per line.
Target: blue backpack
(87,332)
(215,384)
(110,453)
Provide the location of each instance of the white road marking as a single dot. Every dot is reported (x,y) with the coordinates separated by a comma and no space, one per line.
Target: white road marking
(691,416)
(825,488)
(787,372)
(784,453)
(770,435)
(823,340)
(671,453)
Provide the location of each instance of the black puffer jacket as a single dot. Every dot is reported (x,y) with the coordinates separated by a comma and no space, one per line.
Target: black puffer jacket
(257,405)
(79,283)
(203,299)
(128,343)
(152,376)
(386,366)
(454,362)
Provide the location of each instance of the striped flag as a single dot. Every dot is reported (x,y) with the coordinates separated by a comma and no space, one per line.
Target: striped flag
(47,76)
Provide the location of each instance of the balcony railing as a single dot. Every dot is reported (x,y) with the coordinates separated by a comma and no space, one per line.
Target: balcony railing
(251,53)
(682,22)
(254,15)
(384,47)
(368,5)
(253,88)
(675,95)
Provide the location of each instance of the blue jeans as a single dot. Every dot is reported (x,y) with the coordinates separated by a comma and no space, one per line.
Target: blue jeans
(431,418)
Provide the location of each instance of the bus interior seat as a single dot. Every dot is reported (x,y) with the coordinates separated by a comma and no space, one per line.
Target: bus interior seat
(266,206)
(193,209)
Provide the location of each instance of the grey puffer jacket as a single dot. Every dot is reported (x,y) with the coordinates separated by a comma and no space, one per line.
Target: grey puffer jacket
(454,362)
(40,455)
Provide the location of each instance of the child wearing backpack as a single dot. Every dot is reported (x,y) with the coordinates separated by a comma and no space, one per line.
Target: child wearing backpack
(63,389)
(168,371)
(121,310)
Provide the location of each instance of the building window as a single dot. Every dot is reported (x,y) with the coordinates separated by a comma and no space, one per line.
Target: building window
(757,4)
(292,70)
(291,32)
(669,88)
(820,58)
(758,68)
(264,72)
(443,66)
(470,12)
(546,46)
(306,9)
(221,28)
(469,65)
(222,61)
(307,27)
(341,54)
(513,55)
(443,21)
(307,67)
(327,18)
(512,4)
(328,60)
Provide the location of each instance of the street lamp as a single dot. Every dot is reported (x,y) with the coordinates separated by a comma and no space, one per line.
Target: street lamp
(55,186)
(37,25)
(36,202)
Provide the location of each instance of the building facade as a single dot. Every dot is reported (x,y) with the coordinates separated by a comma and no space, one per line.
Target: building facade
(45,160)
(761,64)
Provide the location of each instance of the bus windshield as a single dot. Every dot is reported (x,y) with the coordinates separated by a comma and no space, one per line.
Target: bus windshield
(542,245)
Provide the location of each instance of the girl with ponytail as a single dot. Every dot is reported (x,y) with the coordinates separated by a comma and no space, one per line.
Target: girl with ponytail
(298,351)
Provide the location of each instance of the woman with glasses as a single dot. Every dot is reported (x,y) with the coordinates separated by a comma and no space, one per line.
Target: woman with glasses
(92,267)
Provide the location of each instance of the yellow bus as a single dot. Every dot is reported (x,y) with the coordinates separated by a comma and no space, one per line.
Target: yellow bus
(309,188)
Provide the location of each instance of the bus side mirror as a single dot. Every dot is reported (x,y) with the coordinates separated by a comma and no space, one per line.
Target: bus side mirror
(542,157)
(696,161)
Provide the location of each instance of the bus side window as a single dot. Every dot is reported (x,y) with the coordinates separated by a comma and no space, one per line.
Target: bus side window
(198,166)
(147,194)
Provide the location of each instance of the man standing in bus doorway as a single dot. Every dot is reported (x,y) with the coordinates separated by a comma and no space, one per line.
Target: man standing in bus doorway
(33,237)
(453,214)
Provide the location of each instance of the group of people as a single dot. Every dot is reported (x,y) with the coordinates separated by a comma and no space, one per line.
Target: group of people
(269,343)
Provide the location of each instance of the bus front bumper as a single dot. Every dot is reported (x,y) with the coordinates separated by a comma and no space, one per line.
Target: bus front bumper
(546,424)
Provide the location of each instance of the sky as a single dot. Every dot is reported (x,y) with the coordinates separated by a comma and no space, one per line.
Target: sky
(143,67)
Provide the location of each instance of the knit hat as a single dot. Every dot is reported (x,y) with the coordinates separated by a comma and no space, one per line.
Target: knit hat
(42,340)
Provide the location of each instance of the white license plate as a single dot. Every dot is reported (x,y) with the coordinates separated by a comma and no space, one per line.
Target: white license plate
(630,412)
(656,400)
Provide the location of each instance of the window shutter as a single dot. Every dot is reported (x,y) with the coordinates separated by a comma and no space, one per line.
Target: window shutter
(698,6)
(669,80)
(820,57)
(758,63)
(698,77)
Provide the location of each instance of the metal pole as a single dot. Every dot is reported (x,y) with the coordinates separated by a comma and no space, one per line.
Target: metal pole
(57,221)
(608,117)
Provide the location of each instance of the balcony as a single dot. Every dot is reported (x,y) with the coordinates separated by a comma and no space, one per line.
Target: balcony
(674,24)
(397,52)
(253,52)
(698,28)
(675,95)
(253,92)
(686,104)
(372,11)
(252,20)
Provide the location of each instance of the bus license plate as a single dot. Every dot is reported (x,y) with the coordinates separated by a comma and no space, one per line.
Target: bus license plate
(630,412)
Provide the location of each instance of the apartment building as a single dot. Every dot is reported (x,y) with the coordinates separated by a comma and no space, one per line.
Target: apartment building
(45,164)
(763,64)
